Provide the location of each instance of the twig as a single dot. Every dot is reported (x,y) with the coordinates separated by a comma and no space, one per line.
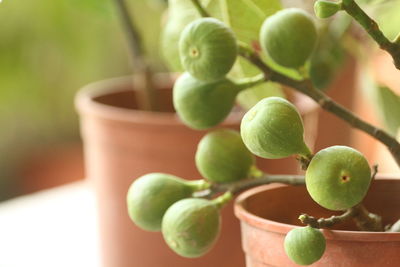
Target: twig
(364,220)
(325,223)
(203,12)
(372,28)
(306,87)
(240,186)
(140,66)
(367,221)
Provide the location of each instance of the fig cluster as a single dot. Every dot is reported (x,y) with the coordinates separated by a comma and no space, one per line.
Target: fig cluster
(203,96)
(162,202)
(337,177)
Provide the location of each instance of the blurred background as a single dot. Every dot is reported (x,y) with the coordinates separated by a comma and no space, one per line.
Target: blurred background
(48,50)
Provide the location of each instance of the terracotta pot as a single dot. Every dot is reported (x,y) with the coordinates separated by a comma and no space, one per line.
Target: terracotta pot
(122,143)
(267,213)
(331,129)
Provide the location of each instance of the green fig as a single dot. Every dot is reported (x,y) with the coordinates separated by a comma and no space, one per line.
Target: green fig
(289,37)
(338,177)
(305,245)
(221,157)
(150,196)
(207,49)
(273,129)
(324,9)
(191,226)
(202,105)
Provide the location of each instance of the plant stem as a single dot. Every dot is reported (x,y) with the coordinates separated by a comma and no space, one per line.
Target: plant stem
(306,87)
(246,83)
(364,220)
(372,28)
(141,68)
(325,223)
(203,12)
(237,187)
(223,199)
(367,221)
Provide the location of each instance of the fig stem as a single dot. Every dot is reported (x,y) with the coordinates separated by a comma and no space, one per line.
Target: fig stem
(223,199)
(198,185)
(203,12)
(305,87)
(255,172)
(372,28)
(143,81)
(325,222)
(240,186)
(365,220)
(248,82)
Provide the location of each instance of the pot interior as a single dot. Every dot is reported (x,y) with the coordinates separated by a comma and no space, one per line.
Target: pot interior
(285,204)
(124,96)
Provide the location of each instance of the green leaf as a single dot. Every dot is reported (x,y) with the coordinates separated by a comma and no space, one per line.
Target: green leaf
(389,108)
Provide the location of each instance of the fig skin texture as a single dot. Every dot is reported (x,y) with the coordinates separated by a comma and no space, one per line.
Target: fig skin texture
(304,245)
(289,37)
(338,177)
(222,157)
(202,105)
(207,49)
(191,226)
(274,129)
(150,196)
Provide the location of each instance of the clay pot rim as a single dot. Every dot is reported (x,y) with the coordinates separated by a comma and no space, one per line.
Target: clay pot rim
(273,226)
(85,103)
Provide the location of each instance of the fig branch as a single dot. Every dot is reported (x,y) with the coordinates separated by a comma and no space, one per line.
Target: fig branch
(372,28)
(140,66)
(364,219)
(306,87)
(203,12)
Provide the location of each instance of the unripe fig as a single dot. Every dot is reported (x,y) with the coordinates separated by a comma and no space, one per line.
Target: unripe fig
(207,49)
(191,226)
(273,129)
(338,177)
(222,157)
(201,104)
(304,245)
(324,9)
(289,37)
(150,196)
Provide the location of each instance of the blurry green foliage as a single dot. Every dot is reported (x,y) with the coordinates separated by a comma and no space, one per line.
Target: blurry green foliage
(48,50)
